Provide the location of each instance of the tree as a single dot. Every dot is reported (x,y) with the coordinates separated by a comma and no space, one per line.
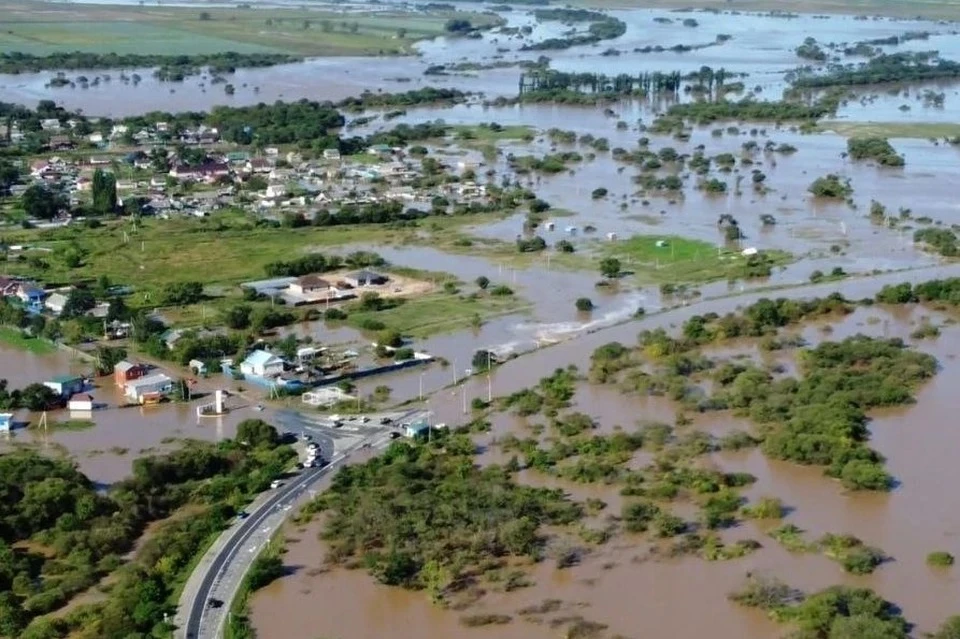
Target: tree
(584,304)
(458,25)
(949,630)
(483,360)
(108,357)
(257,433)
(79,301)
(483,282)
(40,202)
(610,267)
(390,338)
(181,293)
(104,189)
(238,317)
(37,397)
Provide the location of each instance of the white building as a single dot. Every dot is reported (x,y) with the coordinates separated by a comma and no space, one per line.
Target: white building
(148,389)
(262,364)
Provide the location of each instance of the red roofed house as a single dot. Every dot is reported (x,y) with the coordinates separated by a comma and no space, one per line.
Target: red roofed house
(125,371)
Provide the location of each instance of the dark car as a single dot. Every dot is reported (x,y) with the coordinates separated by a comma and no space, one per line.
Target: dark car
(214,603)
(395,434)
(242,514)
(385,420)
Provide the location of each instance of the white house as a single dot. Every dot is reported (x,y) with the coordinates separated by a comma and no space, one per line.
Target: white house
(312,286)
(276,190)
(149,388)
(55,302)
(262,363)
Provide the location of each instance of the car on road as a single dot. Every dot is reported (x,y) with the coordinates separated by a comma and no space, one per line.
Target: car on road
(395,434)
(385,421)
(276,483)
(215,603)
(242,514)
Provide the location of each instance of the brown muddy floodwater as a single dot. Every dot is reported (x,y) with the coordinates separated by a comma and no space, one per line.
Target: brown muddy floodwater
(106,451)
(636,595)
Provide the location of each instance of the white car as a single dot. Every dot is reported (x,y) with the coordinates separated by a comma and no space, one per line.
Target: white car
(312,446)
(276,483)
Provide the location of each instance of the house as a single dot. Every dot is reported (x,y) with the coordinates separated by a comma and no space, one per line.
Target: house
(149,389)
(312,285)
(262,364)
(8,286)
(365,278)
(6,422)
(66,385)
(331,154)
(124,372)
(95,138)
(30,294)
(56,302)
(80,401)
(259,165)
(59,143)
(50,124)
(276,190)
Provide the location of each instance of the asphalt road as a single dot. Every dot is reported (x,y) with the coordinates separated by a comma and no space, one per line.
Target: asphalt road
(225,571)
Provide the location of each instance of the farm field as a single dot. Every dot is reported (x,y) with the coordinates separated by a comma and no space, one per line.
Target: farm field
(41,29)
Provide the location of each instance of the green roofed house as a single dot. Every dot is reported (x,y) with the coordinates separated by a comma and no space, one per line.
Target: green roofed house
(66,385)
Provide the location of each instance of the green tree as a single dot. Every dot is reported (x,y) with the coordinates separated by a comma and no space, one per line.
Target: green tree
(257,433)
(40,202)
(238,317)
(610,267)
(949,630)
(37,397)
(79,301)
(483,282)
(104,189)
(584,304)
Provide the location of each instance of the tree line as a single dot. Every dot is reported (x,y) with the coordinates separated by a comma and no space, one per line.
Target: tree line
(16,62)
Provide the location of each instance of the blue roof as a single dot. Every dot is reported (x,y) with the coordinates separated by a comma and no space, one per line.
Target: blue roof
(259,358)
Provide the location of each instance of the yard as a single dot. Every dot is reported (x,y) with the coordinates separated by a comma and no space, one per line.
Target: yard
(13,337)
(42,28)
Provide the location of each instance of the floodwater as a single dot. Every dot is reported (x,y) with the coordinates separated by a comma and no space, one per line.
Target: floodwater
(621,585)
(106,451)
(761,46)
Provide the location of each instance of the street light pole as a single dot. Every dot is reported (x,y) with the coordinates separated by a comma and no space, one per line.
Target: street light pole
(421,387)
(463,395)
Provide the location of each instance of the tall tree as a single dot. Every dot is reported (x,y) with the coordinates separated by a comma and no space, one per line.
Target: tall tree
(104,192)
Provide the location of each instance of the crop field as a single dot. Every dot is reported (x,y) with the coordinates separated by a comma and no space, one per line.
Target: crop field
(41,29)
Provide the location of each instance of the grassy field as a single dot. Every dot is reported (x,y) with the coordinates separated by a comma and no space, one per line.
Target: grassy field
(442,313)
(681,260)
(13,337)
(486,134)
(923,130)
(929,9)
(42,28)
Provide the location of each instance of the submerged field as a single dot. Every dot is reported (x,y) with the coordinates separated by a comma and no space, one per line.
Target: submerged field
(41,29)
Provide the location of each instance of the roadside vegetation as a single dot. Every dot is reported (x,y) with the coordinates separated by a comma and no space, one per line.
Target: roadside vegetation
(59,536)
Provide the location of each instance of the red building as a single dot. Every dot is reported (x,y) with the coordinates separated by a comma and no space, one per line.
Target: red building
(125,371)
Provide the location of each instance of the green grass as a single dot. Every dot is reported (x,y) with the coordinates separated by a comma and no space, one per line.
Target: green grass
(922,130)
(14,337)
(42,28)
(71,424)
(479,133)
(680,260)
(440,313)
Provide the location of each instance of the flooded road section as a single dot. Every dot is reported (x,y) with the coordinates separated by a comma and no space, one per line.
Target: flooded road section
(620,585)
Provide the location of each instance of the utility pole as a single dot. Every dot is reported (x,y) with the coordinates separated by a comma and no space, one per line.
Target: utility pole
(463,395)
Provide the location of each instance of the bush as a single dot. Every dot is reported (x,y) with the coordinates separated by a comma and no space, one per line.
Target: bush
(584,304)
(940,559)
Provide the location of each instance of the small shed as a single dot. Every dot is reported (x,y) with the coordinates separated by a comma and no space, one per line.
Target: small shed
(197,367)
(358,279)
(6,422)
(416,430)
(81,401)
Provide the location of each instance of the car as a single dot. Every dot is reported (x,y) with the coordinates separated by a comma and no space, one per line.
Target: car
(395,434)
(312,446)
(276,483)
(215,603)
(364,419)
(385,421)
(309,463)
(242,514)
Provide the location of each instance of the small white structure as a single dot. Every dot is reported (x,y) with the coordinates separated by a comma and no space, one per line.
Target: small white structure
(55,302)
(327,396)
(197,367)
(81,402)
(612,236)
(262,363)
(6,422)
(747,252)
(215,408)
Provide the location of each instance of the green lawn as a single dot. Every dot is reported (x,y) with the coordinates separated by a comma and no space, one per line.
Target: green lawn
(42,28)
(922,130)
(14,337)
(679,260)
(441,313)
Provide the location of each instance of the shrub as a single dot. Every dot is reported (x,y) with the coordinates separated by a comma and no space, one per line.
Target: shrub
(940,559)
(584,304)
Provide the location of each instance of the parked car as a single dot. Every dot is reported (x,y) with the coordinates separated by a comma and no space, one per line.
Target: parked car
(312,446)
(385,421)
(395,434)
(276,483)
(215,603)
